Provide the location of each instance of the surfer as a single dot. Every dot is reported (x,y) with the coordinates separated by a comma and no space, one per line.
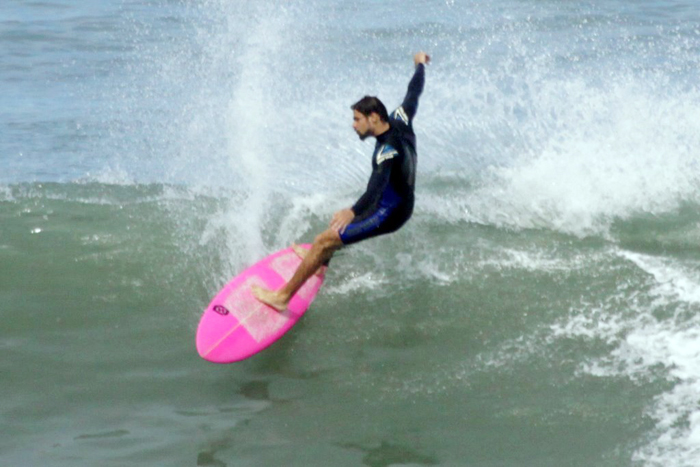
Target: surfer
(388,201)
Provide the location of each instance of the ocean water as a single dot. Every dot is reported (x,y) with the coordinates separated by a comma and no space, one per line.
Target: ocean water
(541,308)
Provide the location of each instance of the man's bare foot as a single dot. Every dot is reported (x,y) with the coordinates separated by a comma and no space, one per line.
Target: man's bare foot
(270,298)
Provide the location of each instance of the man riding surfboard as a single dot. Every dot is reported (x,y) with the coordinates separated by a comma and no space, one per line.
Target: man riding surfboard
(388,201)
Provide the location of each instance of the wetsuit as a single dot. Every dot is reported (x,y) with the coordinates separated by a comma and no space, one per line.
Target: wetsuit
(388,201)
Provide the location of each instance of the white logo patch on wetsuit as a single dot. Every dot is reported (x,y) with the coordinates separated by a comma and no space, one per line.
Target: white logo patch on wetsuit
(386,153)
(400,114)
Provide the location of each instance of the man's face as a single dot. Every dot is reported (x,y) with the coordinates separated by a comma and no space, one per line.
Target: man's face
(361,125)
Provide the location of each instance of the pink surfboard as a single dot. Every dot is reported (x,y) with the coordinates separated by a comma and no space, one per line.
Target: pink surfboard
(236,326)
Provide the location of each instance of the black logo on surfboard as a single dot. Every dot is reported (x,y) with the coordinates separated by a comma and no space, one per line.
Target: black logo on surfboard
(222,310)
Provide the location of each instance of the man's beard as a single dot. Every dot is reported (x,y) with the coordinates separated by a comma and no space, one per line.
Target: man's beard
(363,136)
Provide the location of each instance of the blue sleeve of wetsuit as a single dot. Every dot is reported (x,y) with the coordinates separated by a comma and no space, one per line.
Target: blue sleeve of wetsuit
(376,186)
(415,88)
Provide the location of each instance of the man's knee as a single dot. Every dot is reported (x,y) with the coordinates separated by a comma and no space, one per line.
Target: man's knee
(328,240)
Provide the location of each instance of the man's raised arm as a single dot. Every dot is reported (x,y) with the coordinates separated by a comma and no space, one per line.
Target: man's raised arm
(415,87)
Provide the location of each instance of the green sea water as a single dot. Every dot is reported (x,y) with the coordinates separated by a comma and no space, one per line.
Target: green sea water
(483,347)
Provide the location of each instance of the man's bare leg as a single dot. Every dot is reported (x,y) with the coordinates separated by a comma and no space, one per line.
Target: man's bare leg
(302,252)
(321,251)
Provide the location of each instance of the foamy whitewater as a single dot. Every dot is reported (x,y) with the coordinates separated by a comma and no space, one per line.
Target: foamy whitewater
(541,308)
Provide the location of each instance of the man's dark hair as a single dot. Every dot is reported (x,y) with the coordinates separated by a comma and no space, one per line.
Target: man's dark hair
(369,104)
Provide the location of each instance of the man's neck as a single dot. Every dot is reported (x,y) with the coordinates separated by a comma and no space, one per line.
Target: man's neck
(382,128)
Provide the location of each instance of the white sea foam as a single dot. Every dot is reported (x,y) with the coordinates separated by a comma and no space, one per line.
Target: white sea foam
(110,176)
(675,345)
(6,193)
(585,155)
(363,282)
(646,344)
(674,279)
(535,259)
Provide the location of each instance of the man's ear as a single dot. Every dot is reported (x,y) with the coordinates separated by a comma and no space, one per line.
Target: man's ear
(374,118)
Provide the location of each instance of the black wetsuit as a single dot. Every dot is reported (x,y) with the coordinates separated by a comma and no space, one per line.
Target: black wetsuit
(388,201)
